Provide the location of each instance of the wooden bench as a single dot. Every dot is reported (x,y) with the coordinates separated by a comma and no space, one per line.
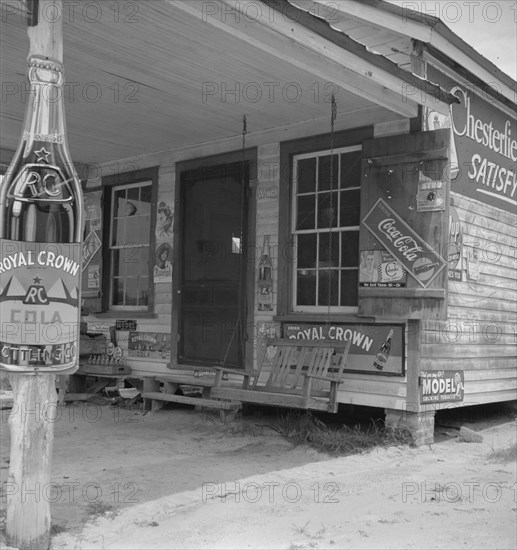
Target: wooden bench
(304,374)
(154,398)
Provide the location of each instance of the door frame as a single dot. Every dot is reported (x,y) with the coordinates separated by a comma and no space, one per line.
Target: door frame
(248,156)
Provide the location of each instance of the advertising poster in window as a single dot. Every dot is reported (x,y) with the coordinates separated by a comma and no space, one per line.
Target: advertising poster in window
(163,266)
(375,349)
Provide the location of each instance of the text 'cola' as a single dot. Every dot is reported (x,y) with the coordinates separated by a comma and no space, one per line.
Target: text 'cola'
(41,209)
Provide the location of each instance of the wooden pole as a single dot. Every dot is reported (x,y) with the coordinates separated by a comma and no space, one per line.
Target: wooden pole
(31,423)
(32,418)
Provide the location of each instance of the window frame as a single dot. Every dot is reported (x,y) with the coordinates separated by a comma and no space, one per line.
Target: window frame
(110,185)
(338,230)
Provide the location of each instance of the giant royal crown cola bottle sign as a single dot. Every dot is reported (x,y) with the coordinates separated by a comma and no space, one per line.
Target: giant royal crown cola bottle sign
(40,235)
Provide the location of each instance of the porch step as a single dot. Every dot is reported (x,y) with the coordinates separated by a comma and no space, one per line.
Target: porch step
(186,380)
(226,407)
(213,403)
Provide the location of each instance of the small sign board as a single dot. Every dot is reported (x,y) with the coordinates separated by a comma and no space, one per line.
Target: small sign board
(121,324)
(430,196)
(441,386)
(378,268)
(152,345)
(408,248)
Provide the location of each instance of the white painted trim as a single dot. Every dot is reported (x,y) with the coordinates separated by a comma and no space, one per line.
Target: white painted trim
(424,33)
(444,46)
(371,16)
(449,73)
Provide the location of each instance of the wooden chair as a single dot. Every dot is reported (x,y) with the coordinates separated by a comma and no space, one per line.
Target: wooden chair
(304,374)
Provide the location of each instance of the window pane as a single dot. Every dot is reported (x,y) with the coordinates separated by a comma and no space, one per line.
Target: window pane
(129,261)
(306,295)
(306,251)
(305,214)
(327,214)
(328,279)
(350,208)
(326,180)
(131,291)
(350,248)
(143,296)
(350,169)
(145,200)
(118,292)
(306,175)
(119,200)
(143,262)
(329,250)
(115,263)
(137,231)
(119,232)
(133,194)
(349,287)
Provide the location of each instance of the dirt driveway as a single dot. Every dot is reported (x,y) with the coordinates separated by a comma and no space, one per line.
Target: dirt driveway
(179,479)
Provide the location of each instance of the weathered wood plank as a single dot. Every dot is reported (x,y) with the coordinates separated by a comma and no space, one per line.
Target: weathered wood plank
(487,364)
(467,349)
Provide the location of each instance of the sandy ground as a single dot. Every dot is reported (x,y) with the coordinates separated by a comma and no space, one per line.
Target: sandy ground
(181,479)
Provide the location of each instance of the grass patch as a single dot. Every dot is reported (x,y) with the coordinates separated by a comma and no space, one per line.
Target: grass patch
(305,429)
(508,454)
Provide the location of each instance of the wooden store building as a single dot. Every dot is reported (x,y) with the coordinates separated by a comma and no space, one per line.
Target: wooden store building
(340,175)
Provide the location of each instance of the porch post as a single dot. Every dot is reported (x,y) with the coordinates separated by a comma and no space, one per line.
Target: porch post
(28,522)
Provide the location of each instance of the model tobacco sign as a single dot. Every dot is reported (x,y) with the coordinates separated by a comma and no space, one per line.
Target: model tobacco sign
(408,248)
(441,386)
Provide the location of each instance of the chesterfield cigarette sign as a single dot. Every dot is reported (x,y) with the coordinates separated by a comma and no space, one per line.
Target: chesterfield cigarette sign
(484,145)
(409,249)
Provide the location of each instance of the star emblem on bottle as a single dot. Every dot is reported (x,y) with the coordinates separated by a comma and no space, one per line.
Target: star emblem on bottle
(42,155)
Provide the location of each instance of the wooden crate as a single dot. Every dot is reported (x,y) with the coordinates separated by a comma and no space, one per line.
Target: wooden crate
(115,370)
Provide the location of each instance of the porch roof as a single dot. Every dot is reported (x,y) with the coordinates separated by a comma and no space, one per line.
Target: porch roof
(176,73)
(392,31)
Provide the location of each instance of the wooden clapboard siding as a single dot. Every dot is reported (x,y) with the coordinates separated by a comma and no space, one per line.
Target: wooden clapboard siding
(480,333)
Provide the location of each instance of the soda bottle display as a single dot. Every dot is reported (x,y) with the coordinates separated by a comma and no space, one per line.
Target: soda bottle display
(41,209)
(382,355)
(265,279)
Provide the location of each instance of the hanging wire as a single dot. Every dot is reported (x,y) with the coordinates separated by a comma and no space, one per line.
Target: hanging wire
(244,195)
(333,114)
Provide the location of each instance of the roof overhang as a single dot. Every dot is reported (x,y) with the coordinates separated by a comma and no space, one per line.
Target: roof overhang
(183,73)
(391,31)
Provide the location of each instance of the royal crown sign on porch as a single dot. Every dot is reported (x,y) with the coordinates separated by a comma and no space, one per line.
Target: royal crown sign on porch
(410,250)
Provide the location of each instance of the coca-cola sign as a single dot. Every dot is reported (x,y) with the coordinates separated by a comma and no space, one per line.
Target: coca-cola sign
(409,249)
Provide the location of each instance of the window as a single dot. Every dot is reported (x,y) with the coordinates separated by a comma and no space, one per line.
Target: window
(325,229)
(129,248)
(128,256)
